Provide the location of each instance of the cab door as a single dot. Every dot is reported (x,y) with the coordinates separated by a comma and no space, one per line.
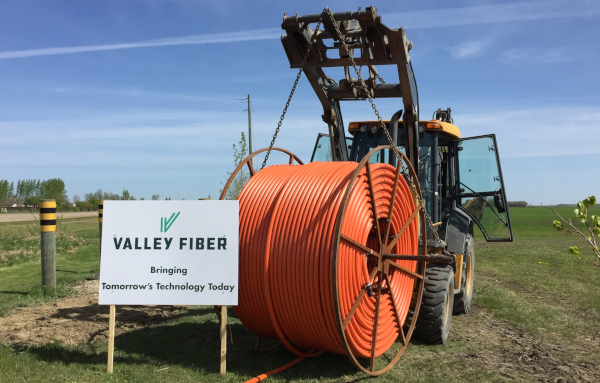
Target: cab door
(322,150)
(480,187)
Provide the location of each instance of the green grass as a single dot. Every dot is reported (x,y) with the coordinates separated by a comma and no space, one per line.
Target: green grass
(20,280)
(532,284)
(188,347)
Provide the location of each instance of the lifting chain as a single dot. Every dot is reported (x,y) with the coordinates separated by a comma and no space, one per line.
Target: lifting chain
(287,104)
(387,133)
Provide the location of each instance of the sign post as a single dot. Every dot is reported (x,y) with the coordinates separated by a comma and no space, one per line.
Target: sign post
(48,243)
(223,313)
(169,253)
(111,339)
(100,212)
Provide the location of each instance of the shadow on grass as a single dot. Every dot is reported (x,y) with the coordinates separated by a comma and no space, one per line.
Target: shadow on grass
(196,346)
(15,292)
(139,315)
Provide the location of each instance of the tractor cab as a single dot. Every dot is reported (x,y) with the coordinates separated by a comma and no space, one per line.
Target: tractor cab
(460,178)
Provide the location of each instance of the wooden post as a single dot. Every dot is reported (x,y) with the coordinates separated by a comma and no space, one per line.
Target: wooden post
(223,340)
(111,339)
(48,243)
(100,211)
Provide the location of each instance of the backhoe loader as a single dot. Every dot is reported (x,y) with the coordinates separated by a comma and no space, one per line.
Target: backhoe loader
(460,177)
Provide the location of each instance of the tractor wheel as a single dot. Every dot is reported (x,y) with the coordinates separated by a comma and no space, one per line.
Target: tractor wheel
(462,300)
(433,323)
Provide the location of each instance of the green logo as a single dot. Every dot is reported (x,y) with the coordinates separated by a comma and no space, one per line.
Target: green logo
(165,224)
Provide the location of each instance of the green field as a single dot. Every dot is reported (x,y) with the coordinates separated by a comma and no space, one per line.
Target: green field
(535,318)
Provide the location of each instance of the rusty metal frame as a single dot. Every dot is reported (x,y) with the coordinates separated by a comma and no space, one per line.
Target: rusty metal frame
(379,45)
(248,162)
(382,269)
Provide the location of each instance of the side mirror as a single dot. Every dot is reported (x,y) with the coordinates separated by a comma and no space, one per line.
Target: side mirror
(499,202)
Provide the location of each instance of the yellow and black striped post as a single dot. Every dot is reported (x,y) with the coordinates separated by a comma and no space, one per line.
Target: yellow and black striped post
(100,210)
(48,231)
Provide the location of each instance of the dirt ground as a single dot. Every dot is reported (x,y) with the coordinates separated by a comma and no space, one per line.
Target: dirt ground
(492,344)
(75,320)
(18,217)
(514,354)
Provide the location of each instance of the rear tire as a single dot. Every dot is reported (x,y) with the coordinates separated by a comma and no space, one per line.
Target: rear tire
(462,300)
(435,315)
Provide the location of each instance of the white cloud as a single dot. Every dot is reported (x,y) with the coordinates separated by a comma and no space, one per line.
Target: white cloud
(469,49)
(483,14)
(215,38)
(536,132)
(535,55)
(496,13)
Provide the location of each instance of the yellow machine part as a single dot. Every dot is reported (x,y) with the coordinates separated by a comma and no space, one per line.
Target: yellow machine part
(458,272)
(432,125)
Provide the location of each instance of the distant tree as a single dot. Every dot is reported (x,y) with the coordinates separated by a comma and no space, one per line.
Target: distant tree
(142,199)
(592,224)
(239,153)
(98,194)
(54,188)
(125,195)
(28,188)
(517,204)
(76,198)
(155,197)
(4,190)
(83,205)
(94,203)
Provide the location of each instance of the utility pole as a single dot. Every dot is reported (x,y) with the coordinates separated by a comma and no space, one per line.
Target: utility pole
(249,125)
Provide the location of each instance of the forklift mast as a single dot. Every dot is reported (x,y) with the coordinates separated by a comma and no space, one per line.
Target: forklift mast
(372,44)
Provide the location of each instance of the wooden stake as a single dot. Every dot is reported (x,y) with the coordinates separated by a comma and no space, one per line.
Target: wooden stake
(111,339)
(223,340)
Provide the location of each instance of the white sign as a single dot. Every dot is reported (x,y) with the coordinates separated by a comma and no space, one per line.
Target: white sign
(169,253)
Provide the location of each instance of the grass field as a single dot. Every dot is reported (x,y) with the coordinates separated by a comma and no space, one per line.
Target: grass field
(535,318)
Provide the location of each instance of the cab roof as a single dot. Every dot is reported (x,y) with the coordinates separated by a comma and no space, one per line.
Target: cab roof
(432,125)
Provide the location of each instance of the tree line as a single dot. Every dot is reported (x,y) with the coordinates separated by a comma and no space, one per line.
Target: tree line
(30,192)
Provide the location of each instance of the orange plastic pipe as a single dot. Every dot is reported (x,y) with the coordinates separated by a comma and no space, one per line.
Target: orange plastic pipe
(288,215)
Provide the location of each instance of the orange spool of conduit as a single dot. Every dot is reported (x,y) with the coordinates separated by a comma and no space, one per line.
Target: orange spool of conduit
(312,267)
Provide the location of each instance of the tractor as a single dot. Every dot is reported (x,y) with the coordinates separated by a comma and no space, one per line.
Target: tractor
(460,177)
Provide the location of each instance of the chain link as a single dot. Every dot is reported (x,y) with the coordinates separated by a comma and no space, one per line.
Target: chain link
(387,133)
(287,104)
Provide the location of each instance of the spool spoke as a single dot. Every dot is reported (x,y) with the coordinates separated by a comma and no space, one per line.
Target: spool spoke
(368,250)
(404,269)
(374,204)
(406,225)
(353,308)
(358,300)
(257,344)
(251,167)
(374,343)
(396,178)
(395,307)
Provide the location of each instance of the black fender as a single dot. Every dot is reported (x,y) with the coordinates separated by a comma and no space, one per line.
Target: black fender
(454,230)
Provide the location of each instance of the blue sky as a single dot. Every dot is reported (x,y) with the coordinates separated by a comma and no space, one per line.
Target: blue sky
(145,94)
